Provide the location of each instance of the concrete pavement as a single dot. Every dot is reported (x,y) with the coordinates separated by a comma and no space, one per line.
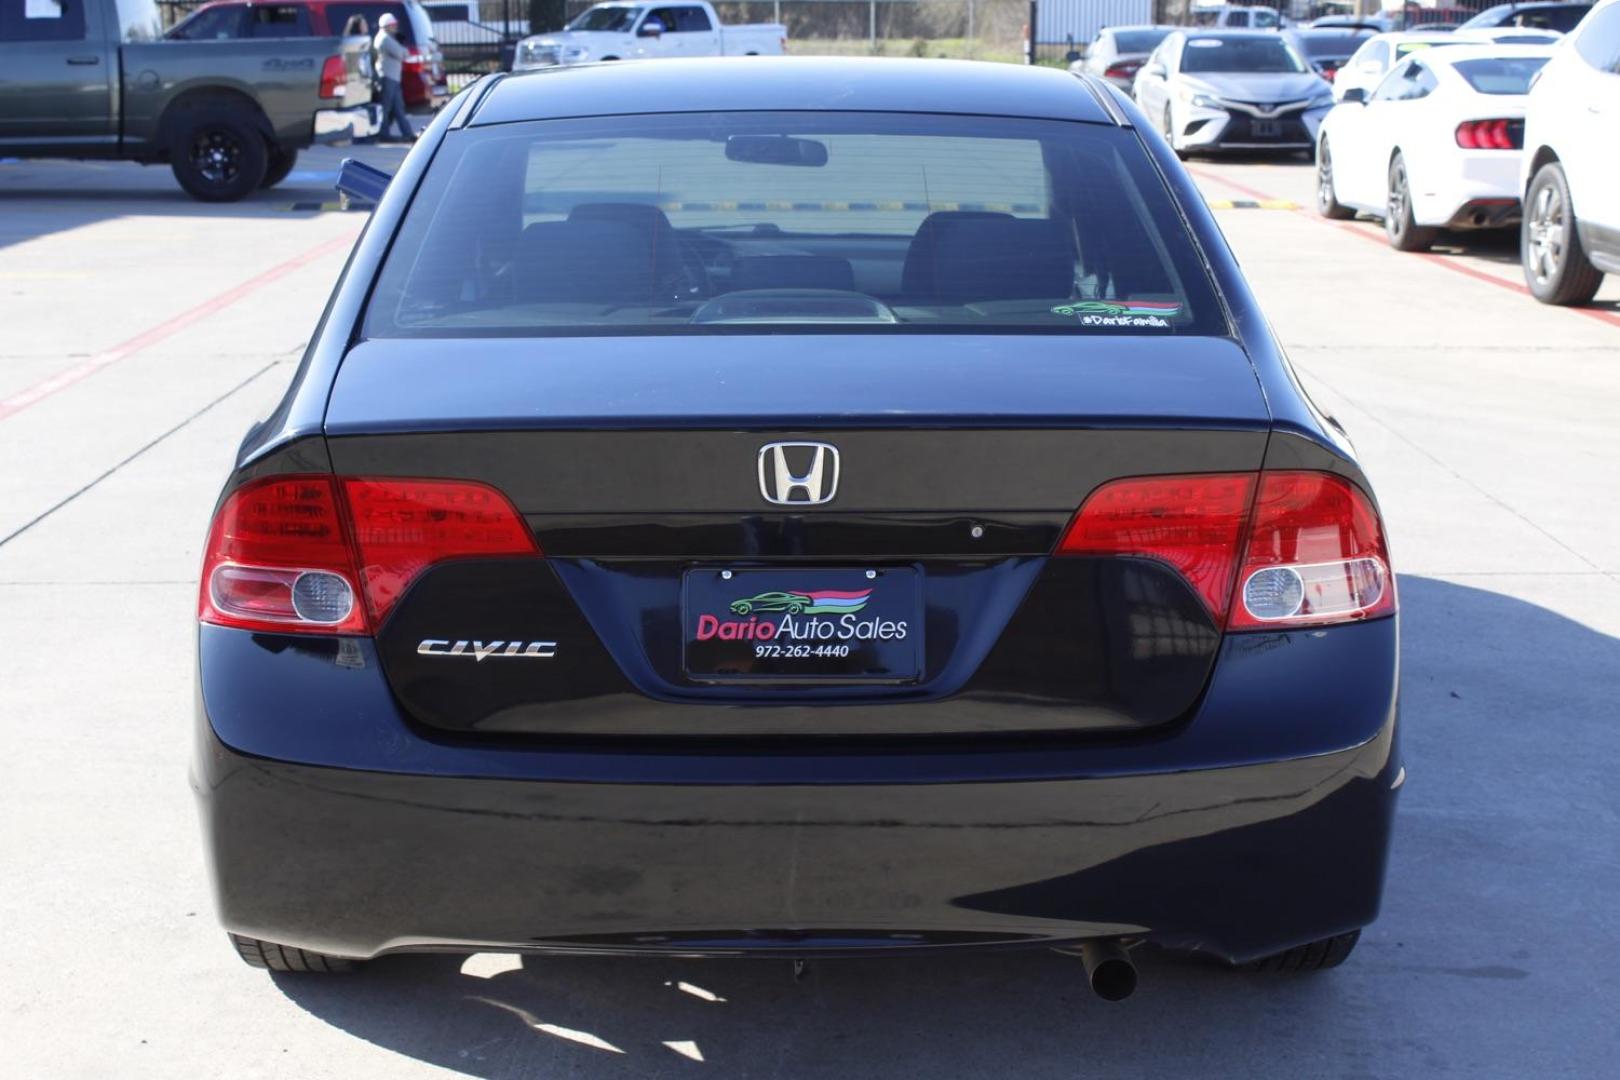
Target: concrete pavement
(1485,419)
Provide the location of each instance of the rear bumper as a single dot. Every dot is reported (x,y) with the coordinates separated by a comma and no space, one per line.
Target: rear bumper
(345,125)
(1462,183)
(1247,830)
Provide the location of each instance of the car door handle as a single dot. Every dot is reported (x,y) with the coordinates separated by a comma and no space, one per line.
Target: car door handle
(84,60)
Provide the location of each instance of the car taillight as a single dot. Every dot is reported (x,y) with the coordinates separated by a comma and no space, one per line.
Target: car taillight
(1316,554)
(1121,71)
(334,78)
(328,555)
(1194,523)
(1269,550)
(401,527)
(1329,72)
(1490,134)
(279,558)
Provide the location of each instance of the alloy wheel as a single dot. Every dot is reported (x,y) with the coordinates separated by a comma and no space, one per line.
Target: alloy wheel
(1544,228)
(1398,197)
(1324,180)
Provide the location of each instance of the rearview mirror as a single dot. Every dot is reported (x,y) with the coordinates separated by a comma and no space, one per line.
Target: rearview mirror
(651,28)
(776,150)
(1156,69)
(1356,95)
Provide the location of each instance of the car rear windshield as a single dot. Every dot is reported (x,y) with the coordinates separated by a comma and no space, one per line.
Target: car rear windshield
(792,222)
(1259,53)
(1330,45)
(1138,41)
(1509,75)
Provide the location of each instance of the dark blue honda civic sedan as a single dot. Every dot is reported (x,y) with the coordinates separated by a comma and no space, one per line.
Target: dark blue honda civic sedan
(796,508)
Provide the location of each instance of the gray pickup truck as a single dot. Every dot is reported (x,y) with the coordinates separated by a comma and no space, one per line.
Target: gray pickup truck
(92,79)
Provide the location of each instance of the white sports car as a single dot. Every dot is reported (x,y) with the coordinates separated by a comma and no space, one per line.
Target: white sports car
(1435,146)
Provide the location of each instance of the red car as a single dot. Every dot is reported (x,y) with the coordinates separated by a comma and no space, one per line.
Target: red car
(422,80)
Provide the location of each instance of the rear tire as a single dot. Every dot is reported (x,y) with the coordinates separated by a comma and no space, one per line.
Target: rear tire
(1556,268)
(269,956)
(218,154)
(1317,956)
(1403,231)
(281,163)
(1327,200)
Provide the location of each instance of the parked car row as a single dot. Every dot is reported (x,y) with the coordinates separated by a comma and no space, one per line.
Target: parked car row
(1487,135)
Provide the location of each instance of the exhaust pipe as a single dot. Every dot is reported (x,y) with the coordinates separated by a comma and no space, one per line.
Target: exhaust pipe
(1108,969)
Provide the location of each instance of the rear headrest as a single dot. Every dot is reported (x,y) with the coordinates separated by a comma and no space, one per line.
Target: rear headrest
(636,215)
(792,272)
(1016,259)
(917,275)
(603,261)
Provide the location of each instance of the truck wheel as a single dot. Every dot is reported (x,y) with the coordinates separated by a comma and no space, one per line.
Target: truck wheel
(1555,265)
(1317,956)
(282,162)
(273,957)
(218,155)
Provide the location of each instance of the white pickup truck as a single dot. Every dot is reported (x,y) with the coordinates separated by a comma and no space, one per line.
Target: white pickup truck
(644,31)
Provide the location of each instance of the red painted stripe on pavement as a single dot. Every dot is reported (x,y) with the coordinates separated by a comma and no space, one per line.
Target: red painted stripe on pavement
(33,395)
(1606,317)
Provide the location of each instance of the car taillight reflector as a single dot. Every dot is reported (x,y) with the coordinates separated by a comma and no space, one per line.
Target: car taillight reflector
(274,544)
(1194,523)
(1267,550)
(1316,554)
(334,79)
(298,553)
(401,527)
(1122,71)
(1490,135)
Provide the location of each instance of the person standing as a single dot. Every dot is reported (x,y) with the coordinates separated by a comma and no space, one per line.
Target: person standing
(391,57)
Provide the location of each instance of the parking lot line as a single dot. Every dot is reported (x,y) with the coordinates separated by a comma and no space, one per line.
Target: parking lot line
(43,389)
(1606,317)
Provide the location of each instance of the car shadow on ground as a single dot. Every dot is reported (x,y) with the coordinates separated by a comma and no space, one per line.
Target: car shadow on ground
(1482,963)
(42,197)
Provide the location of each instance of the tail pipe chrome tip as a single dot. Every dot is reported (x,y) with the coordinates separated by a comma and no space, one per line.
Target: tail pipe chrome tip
(1109,970)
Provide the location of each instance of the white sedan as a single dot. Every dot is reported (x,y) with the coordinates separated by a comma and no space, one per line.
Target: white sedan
(1435,146)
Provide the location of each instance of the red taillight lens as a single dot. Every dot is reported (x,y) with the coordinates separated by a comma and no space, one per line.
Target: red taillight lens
(278,558)
(326,555)
(1194,523)
(401,527)
(1122,71)
(334,79)
(1490,135)
(1314,554)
